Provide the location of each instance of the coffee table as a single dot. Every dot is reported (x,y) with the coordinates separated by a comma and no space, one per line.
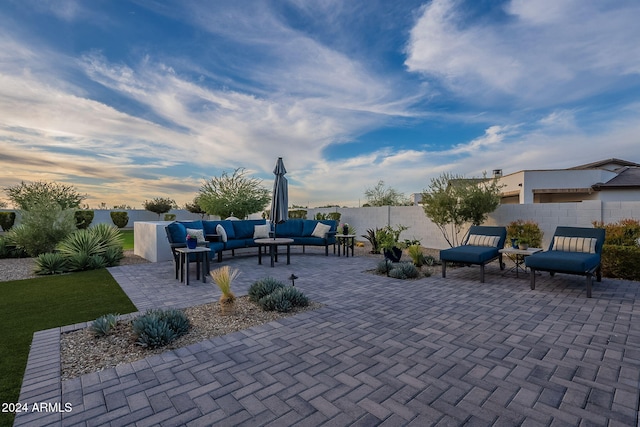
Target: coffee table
(519,256)
(273,244)
(202,254)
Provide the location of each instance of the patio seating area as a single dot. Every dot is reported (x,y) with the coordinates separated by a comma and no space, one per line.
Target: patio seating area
(382,351)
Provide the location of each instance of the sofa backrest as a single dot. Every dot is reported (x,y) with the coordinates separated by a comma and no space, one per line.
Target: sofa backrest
(176,233)
(585,232)
(290,228)
(244,229)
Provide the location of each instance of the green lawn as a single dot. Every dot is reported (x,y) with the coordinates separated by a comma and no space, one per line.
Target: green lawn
(32,305)
(127,236)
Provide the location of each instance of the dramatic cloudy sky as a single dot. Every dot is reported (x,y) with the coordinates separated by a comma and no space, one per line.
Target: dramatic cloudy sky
(130,100)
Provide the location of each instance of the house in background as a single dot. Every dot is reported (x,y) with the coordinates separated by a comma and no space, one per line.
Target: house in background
(606,180)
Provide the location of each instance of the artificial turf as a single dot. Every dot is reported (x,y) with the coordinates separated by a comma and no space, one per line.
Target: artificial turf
(31,305)
(127,237)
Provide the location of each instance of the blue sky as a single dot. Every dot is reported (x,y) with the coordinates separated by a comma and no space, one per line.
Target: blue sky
(130,100)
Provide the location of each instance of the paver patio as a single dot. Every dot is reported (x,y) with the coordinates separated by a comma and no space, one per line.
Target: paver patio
(380,352)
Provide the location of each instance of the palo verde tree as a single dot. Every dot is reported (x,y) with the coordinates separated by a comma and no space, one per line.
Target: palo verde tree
(233,195)
(47,211)
(452,202)
(159,205)
(380,195)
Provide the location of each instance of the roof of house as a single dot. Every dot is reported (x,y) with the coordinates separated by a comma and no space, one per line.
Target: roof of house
(609,164)
(628,177)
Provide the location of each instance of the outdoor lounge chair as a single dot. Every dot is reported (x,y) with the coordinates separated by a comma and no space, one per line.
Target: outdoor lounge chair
(177,235)
(480,247)
(573,250)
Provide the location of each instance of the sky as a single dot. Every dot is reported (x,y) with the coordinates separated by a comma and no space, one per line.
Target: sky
(132,100)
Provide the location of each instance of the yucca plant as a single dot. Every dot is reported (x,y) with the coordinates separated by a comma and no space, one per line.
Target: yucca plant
(109,235)
(223,277)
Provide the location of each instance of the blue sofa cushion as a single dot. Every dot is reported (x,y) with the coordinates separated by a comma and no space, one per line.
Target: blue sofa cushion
(290,228)
(568,262)
(308,227)
(210,226)
(230,229)
(177,232)
(193,224)
(244,229)
(469,254)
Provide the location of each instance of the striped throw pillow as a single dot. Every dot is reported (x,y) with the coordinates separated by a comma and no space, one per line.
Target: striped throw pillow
(574,244)
(482,240)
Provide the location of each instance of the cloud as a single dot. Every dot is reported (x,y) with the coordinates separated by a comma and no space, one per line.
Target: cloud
(541,52)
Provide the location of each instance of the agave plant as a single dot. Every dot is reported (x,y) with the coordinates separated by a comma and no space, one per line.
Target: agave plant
(82,242)
(109,235)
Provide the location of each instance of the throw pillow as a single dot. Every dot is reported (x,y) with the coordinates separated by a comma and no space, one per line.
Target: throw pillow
(321,230)
(574,244)
(261,231)
(198,234)
(220,232)
(482,240)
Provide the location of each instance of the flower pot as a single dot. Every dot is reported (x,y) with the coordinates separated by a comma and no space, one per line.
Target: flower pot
(345,230)
(514,245)
(192,243)
(394,254)
(523,246)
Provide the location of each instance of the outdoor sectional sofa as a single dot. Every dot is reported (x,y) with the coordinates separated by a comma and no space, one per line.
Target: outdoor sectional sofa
(573,250)
(481,246)
(229,235)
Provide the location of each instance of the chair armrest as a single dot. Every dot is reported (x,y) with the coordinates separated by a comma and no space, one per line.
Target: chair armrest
(212,237)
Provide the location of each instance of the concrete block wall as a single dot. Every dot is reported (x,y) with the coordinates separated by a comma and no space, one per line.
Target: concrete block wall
(547,215)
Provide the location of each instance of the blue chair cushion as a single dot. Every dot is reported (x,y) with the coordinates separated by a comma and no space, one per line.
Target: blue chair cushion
(568,262)
(177,233)
(469,254)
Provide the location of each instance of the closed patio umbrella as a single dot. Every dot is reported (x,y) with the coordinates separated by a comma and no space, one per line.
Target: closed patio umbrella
(280,198)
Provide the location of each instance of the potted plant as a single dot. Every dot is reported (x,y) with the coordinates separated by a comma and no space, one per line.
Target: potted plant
(192,241)
(223,277)
(389,241)
(524,242)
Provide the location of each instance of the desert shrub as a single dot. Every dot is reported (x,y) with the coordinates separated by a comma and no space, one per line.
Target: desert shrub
(7,219)
(96,247)
(50,263)
(298,213)
(625,232)
(275,301)
(78,262)
(43,226)
(384,266)
(415,252)
(528,230)
(334,216)
(109,235)
(157,328)
(9,250)
(372,237)
(404,270)
(263,287)
(83,219)
(169,217)
(295,296)
(81,241)
(103,324)
(120,219)
(319,216)
(621,262)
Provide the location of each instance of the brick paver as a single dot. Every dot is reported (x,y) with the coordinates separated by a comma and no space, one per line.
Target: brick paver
(379,352)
